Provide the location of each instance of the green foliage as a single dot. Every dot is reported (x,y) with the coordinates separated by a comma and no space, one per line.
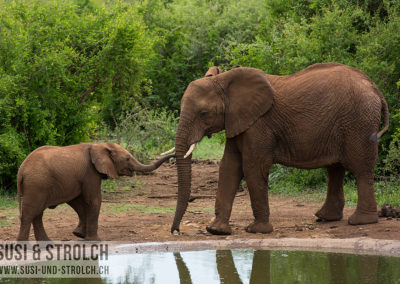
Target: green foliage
(294,181)
(145,132)
(191,35)
(391,163)
(7,201)
(70,70)
(385,192)
(210,148)
(64,68)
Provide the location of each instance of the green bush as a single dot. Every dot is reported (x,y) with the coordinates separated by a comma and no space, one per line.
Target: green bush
(192,35)
(145,132)
(63,69)
(293,181)
(70,69)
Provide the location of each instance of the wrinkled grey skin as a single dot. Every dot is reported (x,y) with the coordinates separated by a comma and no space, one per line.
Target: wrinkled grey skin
(327,115)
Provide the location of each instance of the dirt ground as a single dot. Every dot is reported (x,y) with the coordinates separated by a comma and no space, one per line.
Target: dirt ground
(141,209)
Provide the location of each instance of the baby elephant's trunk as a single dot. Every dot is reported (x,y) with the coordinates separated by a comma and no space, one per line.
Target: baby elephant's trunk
(155,165)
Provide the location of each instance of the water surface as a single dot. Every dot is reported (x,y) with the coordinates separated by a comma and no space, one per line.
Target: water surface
(240,266)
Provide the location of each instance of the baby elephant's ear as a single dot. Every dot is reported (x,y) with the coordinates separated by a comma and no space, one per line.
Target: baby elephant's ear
(100,154)
(213,71)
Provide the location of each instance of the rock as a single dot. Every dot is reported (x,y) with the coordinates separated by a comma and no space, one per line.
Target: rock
(298,228)
(389,211)
(384,212)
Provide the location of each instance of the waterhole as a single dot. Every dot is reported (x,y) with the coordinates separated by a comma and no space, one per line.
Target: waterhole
(359,260)
(253,266)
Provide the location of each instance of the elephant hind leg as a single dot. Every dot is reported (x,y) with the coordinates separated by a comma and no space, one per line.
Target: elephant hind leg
(366,211)
(78,205)
(362,160)
(28,215)
(332,210)
(38,228)
(24,228)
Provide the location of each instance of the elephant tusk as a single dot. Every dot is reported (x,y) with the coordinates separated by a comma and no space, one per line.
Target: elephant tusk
(168,152)
(190,151)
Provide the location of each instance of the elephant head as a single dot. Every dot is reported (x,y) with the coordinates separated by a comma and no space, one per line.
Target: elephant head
(232,100)
(113,160)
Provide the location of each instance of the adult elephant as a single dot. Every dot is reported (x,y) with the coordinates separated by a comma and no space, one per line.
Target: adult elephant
(327,115)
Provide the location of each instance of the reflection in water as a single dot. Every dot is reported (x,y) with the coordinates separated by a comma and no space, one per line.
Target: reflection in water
(243,266)
(261,267)
(337,267)
(226,267)
(368,267)
(343,268)
(184,274)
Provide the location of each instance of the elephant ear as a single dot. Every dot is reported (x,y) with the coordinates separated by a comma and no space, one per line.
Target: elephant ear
(213,71)
(101,156)
(249,95)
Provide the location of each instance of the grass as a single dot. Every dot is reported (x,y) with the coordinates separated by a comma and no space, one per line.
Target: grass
(210,148)
(8,200)
(135,208)
(8,206)
(312,184)
(202,209)
(385,192)
(122,186)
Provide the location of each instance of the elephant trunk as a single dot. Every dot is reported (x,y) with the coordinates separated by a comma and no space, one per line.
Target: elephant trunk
(148,168)
(184,172)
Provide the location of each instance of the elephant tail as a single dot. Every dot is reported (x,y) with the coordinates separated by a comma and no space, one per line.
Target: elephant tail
(385,111)
(20,181)
(375,136)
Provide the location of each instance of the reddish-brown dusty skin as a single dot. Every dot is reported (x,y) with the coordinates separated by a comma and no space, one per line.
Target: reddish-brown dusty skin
(130,215)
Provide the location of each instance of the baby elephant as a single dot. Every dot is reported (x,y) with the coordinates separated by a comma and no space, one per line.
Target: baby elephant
(53,175)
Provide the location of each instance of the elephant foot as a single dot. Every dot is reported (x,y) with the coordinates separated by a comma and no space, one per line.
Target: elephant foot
(329,214)
(93,239)
(361,218)
(41,236)
(43,239)
(219,228)
(22,239)
(79,232)
(262,227)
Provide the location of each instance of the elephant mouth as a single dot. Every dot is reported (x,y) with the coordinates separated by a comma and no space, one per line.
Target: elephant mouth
(129,172)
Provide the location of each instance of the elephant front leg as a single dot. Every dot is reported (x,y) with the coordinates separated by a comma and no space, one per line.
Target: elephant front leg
(332,210)
(257,183)
(92,203)
(78,205)
(92,219)
(230,175)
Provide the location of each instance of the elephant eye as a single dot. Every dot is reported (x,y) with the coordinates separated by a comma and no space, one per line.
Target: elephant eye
(203,114)
(128,158)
